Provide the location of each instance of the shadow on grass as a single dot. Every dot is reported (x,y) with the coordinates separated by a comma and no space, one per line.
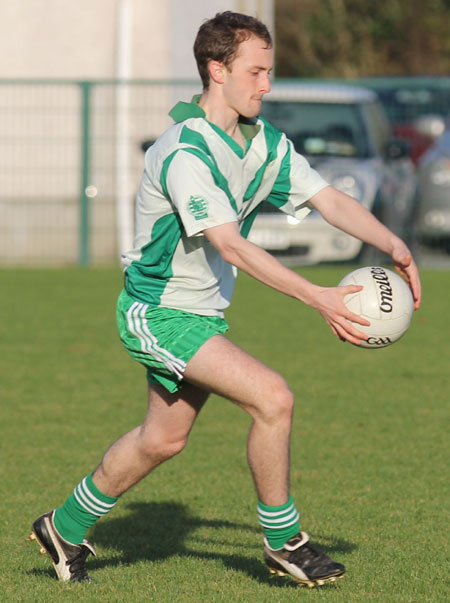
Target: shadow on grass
(158,531)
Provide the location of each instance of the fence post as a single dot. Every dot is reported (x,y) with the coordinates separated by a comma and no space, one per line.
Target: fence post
(84,257)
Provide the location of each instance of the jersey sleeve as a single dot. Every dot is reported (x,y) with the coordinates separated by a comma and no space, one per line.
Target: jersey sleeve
(194,187)
(295,184)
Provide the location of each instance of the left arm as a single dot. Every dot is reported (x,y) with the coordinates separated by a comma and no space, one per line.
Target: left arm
(344,212)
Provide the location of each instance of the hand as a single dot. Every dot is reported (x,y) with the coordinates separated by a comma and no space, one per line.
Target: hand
(406,267)
(329,302)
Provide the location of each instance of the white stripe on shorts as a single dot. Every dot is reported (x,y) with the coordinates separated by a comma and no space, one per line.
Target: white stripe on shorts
(138,325)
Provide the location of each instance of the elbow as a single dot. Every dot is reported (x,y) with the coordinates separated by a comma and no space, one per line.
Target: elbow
(229,254)
(228,242)
(231,251)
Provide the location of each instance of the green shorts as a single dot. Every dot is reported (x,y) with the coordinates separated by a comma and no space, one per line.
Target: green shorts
(163,339)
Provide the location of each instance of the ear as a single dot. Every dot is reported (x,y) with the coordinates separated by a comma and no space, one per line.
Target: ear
(216,71)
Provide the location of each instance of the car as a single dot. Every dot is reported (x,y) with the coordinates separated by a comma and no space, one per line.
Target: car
(416,107)
(433,208)
(344,134)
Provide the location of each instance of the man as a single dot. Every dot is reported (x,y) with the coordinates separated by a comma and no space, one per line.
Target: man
(203,181)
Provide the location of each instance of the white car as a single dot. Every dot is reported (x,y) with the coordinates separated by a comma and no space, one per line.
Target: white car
(345,135)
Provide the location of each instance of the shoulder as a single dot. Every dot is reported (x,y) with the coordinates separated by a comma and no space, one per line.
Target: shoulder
(188,135)
(192,133)
(272,135)
(268,127)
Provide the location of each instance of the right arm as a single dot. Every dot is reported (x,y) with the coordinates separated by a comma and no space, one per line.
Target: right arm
(258,263)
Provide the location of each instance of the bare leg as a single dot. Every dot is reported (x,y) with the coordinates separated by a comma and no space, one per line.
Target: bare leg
(163,434)
(223,368)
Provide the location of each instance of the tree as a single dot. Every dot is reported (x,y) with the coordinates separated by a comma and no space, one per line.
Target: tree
(350,38)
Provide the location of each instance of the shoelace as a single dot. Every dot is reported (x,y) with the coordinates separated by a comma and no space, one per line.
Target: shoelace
(76,565)
(307,553)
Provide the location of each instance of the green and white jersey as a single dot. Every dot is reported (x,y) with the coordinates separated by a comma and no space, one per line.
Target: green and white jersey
(197,177)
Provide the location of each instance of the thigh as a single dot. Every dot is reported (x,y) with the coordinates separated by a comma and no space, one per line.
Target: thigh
(223,368)
(163,339)
(173,413)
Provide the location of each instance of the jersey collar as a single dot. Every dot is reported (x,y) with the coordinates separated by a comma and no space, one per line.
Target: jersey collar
(182,111)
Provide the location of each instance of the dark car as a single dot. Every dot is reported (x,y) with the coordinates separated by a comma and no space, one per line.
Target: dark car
(416,107)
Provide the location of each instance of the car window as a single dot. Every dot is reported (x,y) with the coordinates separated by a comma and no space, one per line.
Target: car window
(407,104)
(319,128)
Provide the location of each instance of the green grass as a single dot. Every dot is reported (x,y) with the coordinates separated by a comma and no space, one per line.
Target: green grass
(369,450)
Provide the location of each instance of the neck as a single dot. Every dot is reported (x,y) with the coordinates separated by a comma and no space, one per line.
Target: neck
(222,116)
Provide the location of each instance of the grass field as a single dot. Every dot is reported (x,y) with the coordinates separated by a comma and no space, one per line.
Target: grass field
(369,449)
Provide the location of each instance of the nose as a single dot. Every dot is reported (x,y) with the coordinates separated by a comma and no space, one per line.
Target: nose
(266,85)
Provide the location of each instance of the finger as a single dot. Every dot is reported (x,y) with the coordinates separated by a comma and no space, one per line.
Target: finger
(349,328)
(352,317)
(336,333)
(416,288)
(349,289)
(411,275)
(349,315)
(360,320)
(355,337)
(416,291)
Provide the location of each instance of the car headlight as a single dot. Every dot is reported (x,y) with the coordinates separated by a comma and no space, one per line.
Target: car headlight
(440,173)
(349,184)
(437,219)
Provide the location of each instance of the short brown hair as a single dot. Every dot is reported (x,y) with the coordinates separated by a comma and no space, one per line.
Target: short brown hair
(218,39)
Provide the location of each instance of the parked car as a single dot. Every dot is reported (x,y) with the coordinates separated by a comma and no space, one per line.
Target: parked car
(345,135)
(416,107)
(433,215)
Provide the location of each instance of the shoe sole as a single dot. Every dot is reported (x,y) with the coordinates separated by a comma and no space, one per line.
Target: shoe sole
(309,583)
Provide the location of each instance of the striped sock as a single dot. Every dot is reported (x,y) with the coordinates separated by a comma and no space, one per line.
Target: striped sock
(81,510)
(279,523)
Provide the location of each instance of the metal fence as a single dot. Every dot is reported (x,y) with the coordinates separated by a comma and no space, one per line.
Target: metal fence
(70,163)
(71,160)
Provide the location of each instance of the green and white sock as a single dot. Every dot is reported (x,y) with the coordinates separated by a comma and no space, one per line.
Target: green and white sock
(279,523)
(81,510)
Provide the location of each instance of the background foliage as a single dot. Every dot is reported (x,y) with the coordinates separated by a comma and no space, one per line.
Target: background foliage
(351,38)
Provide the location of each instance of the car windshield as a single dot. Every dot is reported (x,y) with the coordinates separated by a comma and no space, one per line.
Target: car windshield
(317,128)
(407,104)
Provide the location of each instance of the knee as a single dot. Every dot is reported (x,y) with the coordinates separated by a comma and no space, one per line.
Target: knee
(279,402)
(161,448)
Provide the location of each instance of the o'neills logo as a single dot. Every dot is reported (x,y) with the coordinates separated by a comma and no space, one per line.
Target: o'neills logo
(384,286)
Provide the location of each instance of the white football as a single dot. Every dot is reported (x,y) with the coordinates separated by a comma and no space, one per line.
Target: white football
(386,301)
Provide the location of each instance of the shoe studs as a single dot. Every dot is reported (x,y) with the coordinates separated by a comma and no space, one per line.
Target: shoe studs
(308,583)
(31,538)
(276,572)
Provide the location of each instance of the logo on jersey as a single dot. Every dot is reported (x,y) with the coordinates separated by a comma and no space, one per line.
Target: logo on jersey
(198,207)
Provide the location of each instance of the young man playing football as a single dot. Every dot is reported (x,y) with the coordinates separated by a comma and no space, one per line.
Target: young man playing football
(203,181)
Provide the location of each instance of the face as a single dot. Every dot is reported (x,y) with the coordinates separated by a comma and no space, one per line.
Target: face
(247,79)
